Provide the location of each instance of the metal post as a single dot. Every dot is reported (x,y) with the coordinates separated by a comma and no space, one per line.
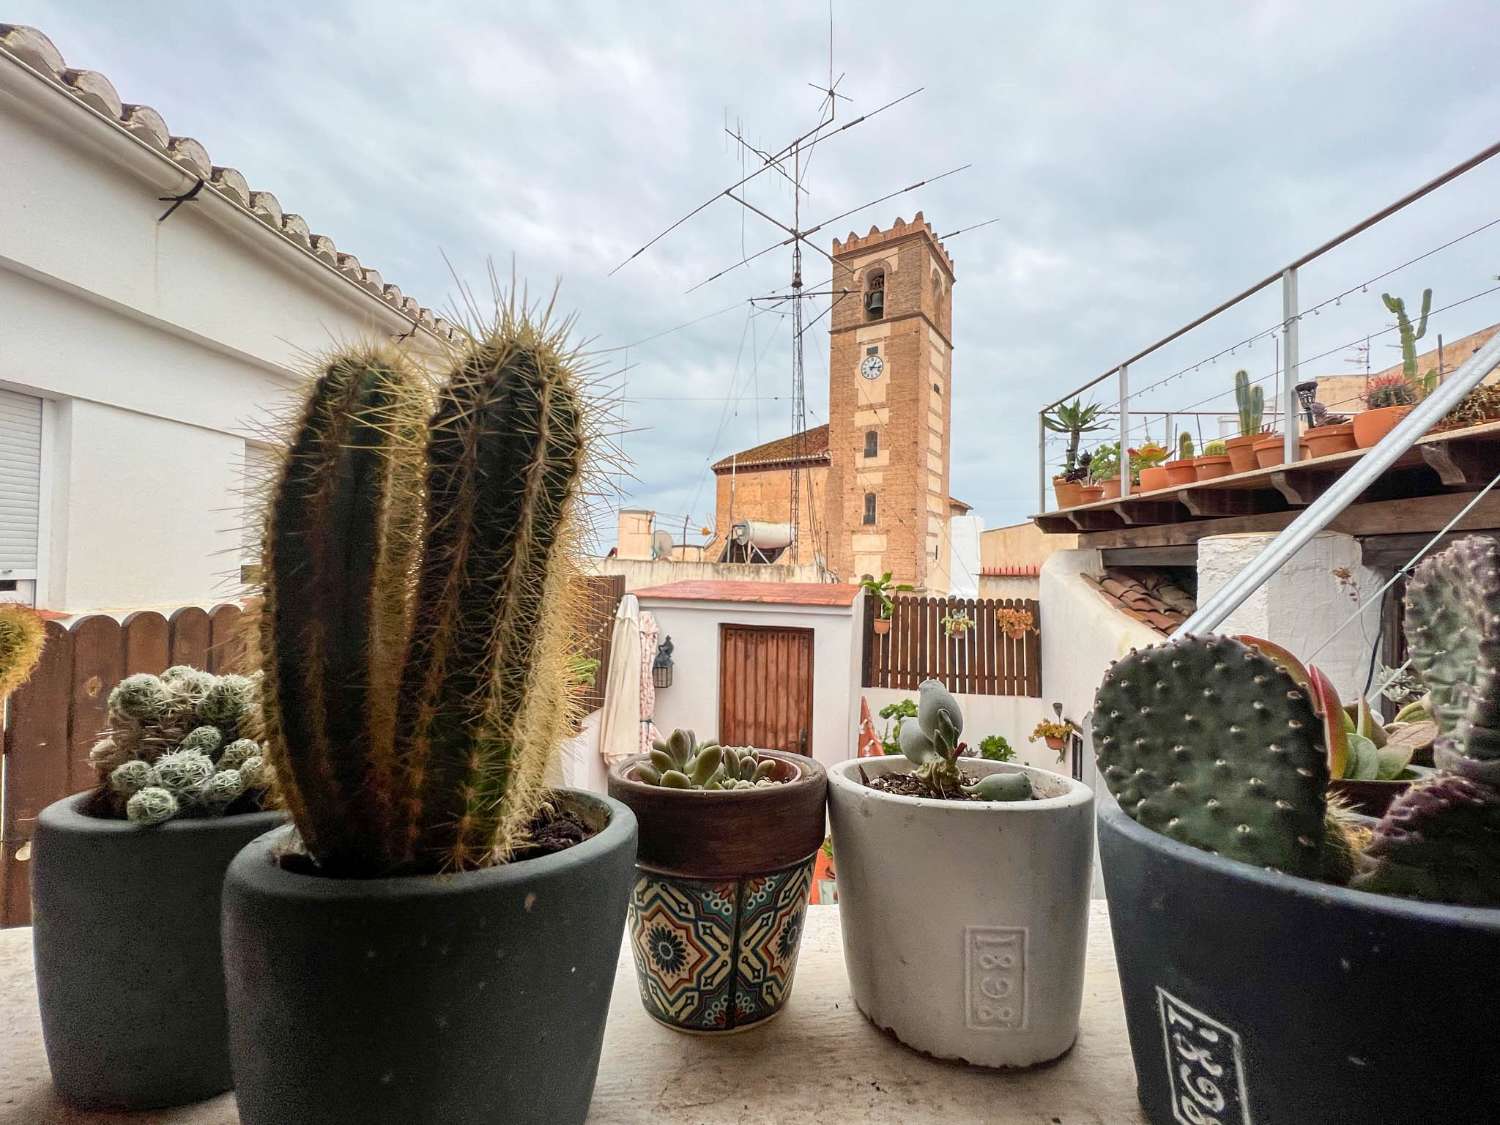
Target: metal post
(1124,429)
(1290,423)
(1326,508)
(1041,461)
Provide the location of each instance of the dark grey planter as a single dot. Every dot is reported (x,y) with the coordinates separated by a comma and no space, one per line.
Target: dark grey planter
(1255,997)
(475,997)
(126,941)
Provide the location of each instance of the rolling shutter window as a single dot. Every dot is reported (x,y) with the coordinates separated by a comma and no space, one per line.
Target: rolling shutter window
(20,483)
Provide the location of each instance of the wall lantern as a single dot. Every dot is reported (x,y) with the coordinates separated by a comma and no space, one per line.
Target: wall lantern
(661,667)
(1307,394)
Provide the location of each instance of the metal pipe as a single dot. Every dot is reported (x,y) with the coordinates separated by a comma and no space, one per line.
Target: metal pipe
(1326,508)
(1364,224)
(1291,444)
(1041,461)
(1124,431)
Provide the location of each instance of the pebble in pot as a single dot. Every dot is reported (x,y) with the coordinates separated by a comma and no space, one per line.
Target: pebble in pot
(442,945)
(963,894)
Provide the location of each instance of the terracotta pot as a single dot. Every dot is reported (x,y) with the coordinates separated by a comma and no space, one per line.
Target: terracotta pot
(1155,477)
(1066,492)
(1212,466)
(1269,450)
(1241,452)
(1090,493)
(1324,440)
(1181,471)
(1053,742)
(1372,425)
(1111,488)
(882,626)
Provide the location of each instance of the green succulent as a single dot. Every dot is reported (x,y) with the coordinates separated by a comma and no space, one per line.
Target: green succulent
(680,762)
(931,744)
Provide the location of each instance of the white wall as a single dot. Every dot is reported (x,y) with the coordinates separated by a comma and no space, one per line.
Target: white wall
(963,568)
(992,587)
(693,699)
(1008,715)
(641,573)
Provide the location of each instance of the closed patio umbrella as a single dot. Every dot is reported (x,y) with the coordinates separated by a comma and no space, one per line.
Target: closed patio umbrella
(620,722)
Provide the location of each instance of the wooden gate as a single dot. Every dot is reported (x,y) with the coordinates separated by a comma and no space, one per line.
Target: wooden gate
(766,687)
(55,717)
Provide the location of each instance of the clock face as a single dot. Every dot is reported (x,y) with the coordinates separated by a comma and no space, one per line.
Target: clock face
(872,367)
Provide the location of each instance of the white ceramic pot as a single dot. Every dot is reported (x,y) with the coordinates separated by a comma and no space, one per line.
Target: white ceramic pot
(965,922)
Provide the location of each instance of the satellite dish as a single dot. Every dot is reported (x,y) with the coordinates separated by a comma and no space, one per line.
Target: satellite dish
(661,545)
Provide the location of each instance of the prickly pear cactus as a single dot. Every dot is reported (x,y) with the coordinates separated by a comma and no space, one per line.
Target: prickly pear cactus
(1209,742)
(1453,628)
(1439,841)
(680,762)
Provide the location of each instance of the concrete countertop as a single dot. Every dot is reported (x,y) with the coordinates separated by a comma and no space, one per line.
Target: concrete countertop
(819,1061)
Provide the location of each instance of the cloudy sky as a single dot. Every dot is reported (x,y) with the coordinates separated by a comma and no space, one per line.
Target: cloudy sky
(1144,162)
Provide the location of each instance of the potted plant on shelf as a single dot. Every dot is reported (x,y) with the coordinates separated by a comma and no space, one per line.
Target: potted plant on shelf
(1389,398)
(1212,463)
(1182,470)
(1104,468)
(125,882)
(963,894)
(1146,466)
(1074,419)
(1221,846)
(437,940)
(1270,450)
(1250,401)
(1329,433)
(881,589)
(728,840)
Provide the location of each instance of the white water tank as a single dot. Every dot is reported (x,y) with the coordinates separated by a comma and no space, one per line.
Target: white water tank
(761,536)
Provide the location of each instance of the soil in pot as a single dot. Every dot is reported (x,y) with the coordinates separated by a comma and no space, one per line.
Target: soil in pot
(1211,467)
(1154,477)
(1359,1026)
(1372,425)
(964,922)
(1241,452)
(1322,441)
(720,892)
(126,943)
(475,996)
(1181,471)
(1270,451)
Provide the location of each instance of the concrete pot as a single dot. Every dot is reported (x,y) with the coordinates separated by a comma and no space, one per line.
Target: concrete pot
(126,942)
(1362,1024)
(720,893)
(965,922)
(474,997)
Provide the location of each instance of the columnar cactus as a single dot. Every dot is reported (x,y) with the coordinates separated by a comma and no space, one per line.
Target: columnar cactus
(174,746)
(1184,446)
(681,762)
(1409,335)
(1251,402)
(22,636)
(416,663)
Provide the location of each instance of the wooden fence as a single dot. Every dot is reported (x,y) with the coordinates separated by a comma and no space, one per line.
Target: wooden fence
(980,660)
(601,600)
(54,719)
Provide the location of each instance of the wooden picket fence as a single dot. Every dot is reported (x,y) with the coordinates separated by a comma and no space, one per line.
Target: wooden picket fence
(980,660)
(53,720)
(601,599)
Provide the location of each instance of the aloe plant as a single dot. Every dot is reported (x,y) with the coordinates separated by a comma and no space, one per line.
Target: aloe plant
(416,626)
(1074,419)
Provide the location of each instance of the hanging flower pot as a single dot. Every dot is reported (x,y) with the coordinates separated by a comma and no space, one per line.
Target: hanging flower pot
(882,626)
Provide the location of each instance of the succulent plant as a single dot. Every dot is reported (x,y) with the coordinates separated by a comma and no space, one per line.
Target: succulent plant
(931,744)
(1215,449)
(416,626)
(1251,402)
(22,636)
(173,748)
(1440,841)
(681,762)
(1212,743)
(1388,390)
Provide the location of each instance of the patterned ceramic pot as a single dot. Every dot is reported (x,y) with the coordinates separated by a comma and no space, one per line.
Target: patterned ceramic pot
(720,893)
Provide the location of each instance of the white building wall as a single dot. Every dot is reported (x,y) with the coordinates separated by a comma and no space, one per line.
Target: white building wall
(692,702)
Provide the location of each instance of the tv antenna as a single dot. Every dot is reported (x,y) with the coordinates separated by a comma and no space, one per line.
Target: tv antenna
(1361,356)
(790,162)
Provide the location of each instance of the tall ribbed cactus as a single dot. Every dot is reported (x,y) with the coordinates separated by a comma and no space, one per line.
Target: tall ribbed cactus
(1251,402)
(1409,335)
(416,679)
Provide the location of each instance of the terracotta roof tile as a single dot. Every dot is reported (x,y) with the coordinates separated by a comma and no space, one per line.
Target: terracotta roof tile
(781,451)
(1152,597)
(30,48)
(1011,571)
(765,593)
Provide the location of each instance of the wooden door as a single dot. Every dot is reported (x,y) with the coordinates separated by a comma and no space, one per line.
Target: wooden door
(766,687)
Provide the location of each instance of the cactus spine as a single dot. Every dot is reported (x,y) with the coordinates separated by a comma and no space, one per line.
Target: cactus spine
(1251,402)
(417,665)
(22,636)
(1409,335)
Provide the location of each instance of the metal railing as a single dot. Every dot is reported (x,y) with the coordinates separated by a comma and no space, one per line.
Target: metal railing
(1289,362)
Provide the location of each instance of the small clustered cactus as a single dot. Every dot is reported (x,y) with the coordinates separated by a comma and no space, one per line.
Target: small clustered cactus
(681,762)
(184,743)
(1184,446)
(1389,390)
(22,636)
(931,744)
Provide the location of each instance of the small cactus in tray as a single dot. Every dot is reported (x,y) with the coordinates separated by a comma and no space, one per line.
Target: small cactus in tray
(178,746)
(681,762)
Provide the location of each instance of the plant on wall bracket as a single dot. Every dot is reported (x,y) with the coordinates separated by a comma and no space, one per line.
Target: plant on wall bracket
(882,588)
(957,623)
(1015,622)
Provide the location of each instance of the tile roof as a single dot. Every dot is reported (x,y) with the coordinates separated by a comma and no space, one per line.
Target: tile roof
(765,593)
(30,47)
(1152,597)
(781,451)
